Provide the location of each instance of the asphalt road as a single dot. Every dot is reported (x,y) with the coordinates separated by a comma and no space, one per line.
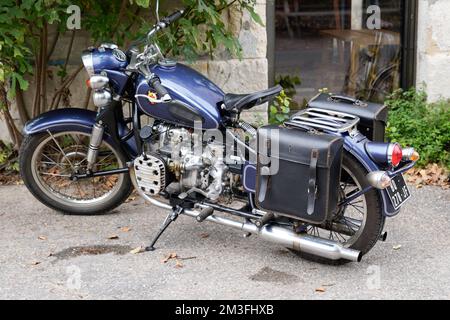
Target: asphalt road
(46,255)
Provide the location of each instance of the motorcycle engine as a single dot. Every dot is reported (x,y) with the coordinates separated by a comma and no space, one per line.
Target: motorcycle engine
(194,166)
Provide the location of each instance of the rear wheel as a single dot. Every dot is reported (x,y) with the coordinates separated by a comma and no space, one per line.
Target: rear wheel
(47,161)
(358,224)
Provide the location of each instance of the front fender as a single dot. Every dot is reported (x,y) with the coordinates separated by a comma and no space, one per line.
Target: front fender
(356,147)
(74,119)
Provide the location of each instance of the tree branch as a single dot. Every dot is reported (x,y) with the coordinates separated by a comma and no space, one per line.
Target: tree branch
(37,81)
(123,7)
(69,49)
(44,63)
(53,45)
(87,98)
(65,84)
(14,133)
(21,107)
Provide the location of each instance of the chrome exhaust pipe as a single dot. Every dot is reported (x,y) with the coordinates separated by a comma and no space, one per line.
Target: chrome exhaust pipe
(300,242)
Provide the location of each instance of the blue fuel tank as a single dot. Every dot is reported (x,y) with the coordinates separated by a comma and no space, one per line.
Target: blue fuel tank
(194,97)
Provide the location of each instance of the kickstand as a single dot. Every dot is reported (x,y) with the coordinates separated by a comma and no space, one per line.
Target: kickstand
(169,219)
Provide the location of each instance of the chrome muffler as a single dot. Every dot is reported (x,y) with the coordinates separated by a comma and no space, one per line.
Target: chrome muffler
(300,242)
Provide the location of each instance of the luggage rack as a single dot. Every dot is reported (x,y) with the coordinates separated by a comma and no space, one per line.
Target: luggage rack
(325,120)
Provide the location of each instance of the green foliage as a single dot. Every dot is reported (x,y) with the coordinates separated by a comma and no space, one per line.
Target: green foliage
(202,30)
(426,127)
(19,29)
(280,108)
(8,158)
(288,83)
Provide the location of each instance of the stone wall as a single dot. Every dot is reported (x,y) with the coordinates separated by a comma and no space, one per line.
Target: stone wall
(433,69)
(250,73)
(231,74)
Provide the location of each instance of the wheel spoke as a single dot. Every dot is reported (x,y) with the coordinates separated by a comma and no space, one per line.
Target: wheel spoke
(344,228)
(63,153)
(59,147)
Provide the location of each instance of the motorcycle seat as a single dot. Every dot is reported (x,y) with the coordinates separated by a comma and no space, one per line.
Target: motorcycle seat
(239,102)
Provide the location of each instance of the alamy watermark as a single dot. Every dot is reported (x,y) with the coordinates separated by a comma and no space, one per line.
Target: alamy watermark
(73,281)
(373,281)
(74,19)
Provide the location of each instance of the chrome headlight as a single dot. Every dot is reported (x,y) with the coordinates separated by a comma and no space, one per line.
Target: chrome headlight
(88,62)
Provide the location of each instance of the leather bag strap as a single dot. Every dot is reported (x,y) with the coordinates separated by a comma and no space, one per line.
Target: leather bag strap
(312,187)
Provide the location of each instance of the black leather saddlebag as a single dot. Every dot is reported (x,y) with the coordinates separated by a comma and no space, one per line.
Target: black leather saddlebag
(298,173)
(373,116)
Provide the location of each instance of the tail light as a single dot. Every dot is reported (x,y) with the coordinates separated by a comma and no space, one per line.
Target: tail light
(395,154)
(388,153)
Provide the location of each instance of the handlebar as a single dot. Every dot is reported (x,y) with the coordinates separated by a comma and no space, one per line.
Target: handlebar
(164,23)
(160,90)
(173,17)
(152,52)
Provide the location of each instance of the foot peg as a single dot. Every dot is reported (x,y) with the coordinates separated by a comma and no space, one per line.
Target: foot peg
(265,219)
(205,213)
(182,195)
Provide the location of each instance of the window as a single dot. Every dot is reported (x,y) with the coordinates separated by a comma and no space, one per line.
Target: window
(353,47)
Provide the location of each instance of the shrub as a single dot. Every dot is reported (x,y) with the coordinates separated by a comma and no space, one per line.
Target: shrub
(280,108)
(8,158)
(424,126)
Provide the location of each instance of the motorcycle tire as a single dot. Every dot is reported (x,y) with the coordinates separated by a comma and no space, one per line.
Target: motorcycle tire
(30,146)
(375,219)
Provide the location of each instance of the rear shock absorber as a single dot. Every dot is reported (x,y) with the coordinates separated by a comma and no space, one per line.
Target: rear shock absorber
(247,127)
(94,145)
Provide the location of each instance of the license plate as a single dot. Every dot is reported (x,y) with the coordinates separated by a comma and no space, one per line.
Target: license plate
(398,192)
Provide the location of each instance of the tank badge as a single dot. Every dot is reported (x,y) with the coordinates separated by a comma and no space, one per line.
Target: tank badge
(152,97)
(119,55)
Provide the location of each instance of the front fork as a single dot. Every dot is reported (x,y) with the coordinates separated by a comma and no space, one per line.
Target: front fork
(96,140)
(107,116)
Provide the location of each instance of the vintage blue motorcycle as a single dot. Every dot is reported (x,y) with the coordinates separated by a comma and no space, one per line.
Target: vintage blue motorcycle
(321,184)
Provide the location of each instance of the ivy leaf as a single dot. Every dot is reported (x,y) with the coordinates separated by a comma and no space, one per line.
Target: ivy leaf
(143,3)
(53,17)
(255,16)
(280,117)
(273,109)
(17,53)
(22,82)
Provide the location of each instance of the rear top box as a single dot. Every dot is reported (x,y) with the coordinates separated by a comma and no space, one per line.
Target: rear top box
(298,173)
(373,116)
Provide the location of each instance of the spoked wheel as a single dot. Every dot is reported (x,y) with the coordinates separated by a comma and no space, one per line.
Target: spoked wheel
(357,224)
(48,161)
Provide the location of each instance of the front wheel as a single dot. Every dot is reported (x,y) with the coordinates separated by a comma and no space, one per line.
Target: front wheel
(48,160)
(358,224)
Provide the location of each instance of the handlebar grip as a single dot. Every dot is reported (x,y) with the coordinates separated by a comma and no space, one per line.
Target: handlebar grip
(160,90)
(173,17)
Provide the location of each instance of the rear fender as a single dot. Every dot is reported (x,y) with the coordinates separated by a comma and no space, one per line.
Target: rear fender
(78,120)
(356,147)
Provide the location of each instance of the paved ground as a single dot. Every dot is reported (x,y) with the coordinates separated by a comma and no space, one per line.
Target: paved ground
(222,264)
